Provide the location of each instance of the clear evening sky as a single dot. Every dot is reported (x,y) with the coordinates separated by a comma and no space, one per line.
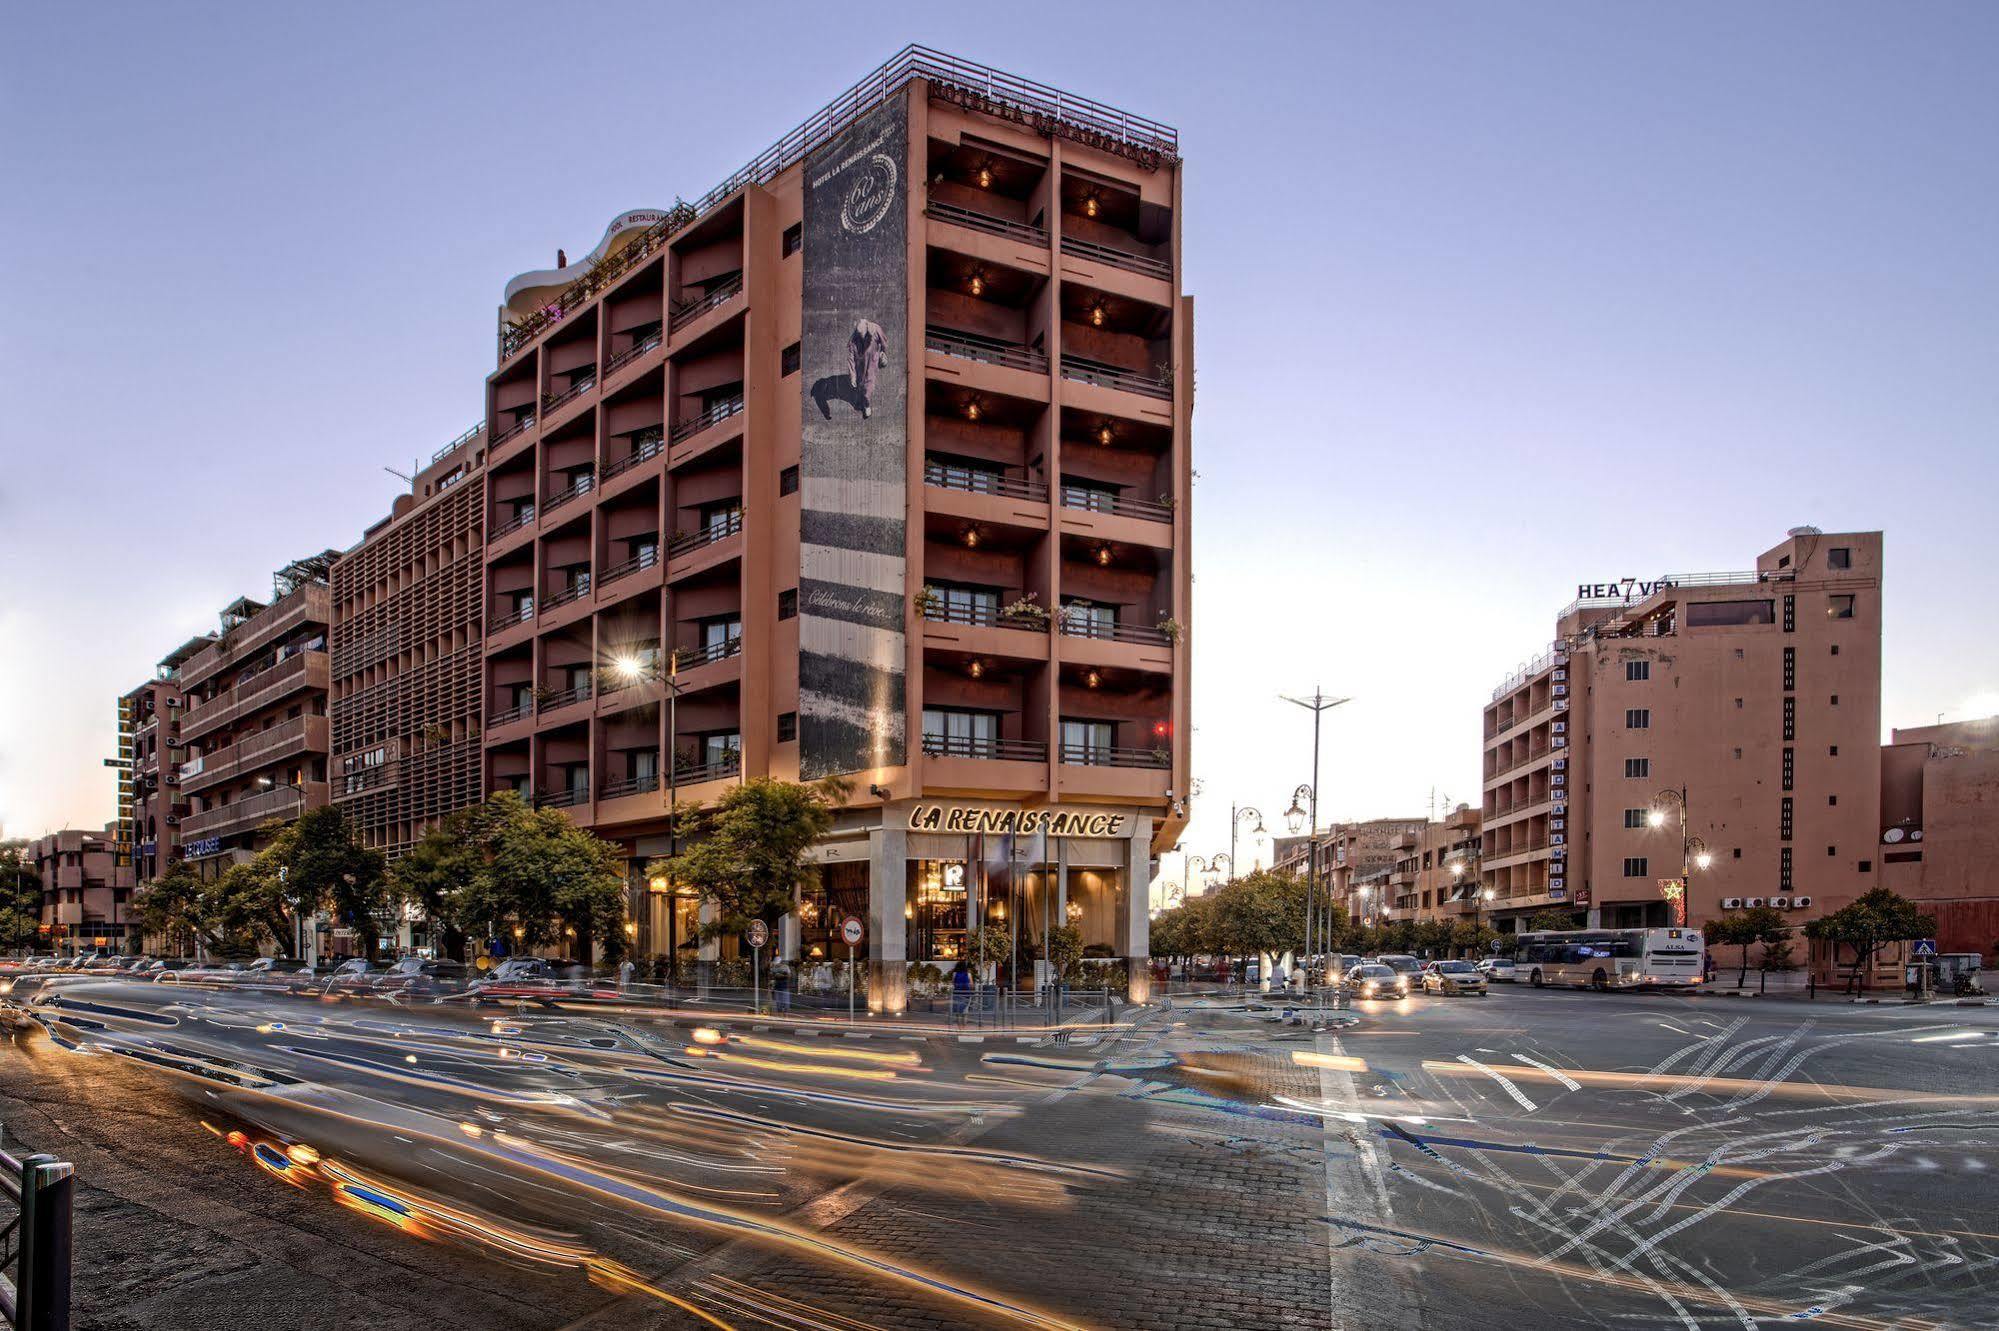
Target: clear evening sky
(1492,299)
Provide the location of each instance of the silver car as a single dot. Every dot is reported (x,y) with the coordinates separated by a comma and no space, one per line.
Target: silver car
(1453,977)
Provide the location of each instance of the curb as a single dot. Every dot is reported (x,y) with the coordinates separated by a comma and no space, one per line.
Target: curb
(765,1025)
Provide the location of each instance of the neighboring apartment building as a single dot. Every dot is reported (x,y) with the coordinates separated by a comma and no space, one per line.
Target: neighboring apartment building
(1350,855)
(86,892)
(408,658)
(1940,828)
(1436,871)
(149,739)
(255,720)
(789,482)
(1757,693)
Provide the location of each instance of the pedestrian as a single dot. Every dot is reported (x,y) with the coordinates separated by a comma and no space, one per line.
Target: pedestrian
(625,970)
(780,984)
(961,987)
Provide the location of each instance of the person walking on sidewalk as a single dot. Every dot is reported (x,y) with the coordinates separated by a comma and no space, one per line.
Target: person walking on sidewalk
(961,988)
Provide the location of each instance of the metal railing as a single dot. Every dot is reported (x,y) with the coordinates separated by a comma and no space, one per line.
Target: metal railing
(642,451)
(973,481)
(710,533)
(1082,626)
(985,350)
(713,414)
(631,785)
(549,702)
(252,810)
(1533,756)
(690,658)
(562,799)
(1004,1008)
(1117,258)
(940,611)
(299,670)
(972,746)
(1110,376)
(649,342)
(644,559)
(35,1245)
(582,485)
(511,715)
(1110,755)
(512,617)
(693,773)
(1100,501)
(689,310)
(573,591)
(458,443)
(986,222)
(521,426)
(551,401)
(524,518)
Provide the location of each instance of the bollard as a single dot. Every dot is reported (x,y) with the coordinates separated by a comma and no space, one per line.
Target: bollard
(42,1299)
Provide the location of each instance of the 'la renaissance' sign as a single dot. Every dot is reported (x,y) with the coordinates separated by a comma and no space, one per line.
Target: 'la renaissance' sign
(1015,822)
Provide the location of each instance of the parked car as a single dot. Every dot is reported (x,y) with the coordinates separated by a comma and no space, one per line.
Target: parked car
(425,975)
(1374,980)
(356,975)
(278,970)
(1453,977)
(1402,964)
(1498,970)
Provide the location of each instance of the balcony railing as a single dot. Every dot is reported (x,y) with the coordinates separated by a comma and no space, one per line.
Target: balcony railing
(939,611)
(631,785)
(559,698)
(574,590)
(646,449)
(1106,755)
(308,669)
(551,401)
(582,485)
(523,518)
(1083,626)
(692,773)
(1116,258)
(511,715)
(1534,756)
(689,658)
(1110,376)
(644,559)
(713,414)
(521,426)
(986,350)
(1124,506)
(254,750)
(251,810)
(970,746)
(719,530)
(310,603)
(650,342)
(986,222)
(458,443)
(973,481)
(562,799)
(689,310)
(521,614)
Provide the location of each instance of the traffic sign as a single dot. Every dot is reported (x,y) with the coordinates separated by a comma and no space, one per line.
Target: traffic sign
(1925,947)
(759,933)
(852,931)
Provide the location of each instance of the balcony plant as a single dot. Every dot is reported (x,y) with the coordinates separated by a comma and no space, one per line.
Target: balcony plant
(1027,610)
(928,603)
(1171,628)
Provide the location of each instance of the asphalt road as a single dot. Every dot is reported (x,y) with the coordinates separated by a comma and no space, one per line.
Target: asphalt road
(1532,1158)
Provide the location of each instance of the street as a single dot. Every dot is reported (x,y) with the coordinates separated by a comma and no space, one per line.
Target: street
(1544,1158)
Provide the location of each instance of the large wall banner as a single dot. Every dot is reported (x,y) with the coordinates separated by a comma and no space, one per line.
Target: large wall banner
(854,449)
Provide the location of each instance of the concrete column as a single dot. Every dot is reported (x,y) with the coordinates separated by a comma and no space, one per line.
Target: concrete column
(1134,925)
(888,932)
(788,931)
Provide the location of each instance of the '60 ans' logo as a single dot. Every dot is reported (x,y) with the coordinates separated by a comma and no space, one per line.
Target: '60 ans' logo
(869,197)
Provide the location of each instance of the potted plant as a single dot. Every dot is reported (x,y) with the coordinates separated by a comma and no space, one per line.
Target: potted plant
(1171,628)
(928,603)
(1027,610)
(986,947)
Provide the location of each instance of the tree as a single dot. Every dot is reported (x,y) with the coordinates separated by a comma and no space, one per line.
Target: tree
(1877,917)
(1550,921)
(1472,938)
(176,908)
(1259,912)
(1744,930)
(745,854)
(20,897)
(435,874)
(246,908)
(542,876)
(326,868)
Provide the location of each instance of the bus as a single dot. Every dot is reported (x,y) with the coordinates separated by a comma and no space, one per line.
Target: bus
(1611,958)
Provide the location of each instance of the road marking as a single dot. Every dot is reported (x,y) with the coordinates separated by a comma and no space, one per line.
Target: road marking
(1501,1078)
(1556,1073)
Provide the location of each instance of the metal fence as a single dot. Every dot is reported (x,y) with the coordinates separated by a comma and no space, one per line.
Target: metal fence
(35,1243)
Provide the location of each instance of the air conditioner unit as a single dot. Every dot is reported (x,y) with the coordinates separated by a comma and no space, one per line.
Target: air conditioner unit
(1801,903)
(171,780)
(1781,903)
(1731,903)
(172,821)
(1752,902)
(174,703)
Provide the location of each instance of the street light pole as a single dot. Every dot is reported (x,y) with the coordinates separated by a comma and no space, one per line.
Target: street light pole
(1693,851)
(1318,705)
(1236,815)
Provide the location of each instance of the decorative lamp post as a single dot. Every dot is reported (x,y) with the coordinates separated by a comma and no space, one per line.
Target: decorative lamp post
(1693,852)
(1236,814)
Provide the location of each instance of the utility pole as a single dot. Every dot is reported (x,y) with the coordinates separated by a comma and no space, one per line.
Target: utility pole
(1318,705)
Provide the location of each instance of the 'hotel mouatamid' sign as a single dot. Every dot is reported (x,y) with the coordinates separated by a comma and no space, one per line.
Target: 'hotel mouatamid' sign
(1017,822)
(1626,589)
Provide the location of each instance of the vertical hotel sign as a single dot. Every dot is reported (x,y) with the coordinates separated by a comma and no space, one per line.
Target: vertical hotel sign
(854,448)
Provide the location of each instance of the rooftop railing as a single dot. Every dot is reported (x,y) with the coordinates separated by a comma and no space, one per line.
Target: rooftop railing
(458,443)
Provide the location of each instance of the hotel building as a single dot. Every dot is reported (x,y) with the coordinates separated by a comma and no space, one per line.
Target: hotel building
(1749,701)
(407,663)
(872,462)
(255,721)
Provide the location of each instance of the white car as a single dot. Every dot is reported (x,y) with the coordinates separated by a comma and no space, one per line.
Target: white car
(1499,970)
(1453,977)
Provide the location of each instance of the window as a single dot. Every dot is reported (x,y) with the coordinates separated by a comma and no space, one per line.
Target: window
(721,748)
(787,481)
(1784,869)
(794,239)
(1082,741)
(1832,799)
(1835,649)
(1637,718)
(719,632)
(1867,866)
(787,603)
(1634,817)
(1738,853)
(1790,718)
(1839,607)
(1089,619)
(722,519)
(1637,670)
(787,360)
(1715,614)
(1790,766)
(1634,866)
(1738,753)
(787,727)
(959,732)
(1790,614)
(1832,850)
(1840,557)
(1784,819)
(1835,700)
(1790,668)
(1636,767)
(1833,751)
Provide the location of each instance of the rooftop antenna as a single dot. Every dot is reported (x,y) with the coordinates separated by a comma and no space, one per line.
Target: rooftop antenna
(406,480)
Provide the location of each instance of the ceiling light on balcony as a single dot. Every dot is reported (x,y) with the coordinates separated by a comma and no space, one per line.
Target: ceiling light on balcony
(1104,555)
(972,409)
(1097,315)
(1105,433)
(977,669)
(1090,205)
(1092,679)
(978,283)
(986,176)
(971,538)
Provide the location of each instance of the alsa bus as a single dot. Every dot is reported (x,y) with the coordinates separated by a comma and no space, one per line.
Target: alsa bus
(1611,958)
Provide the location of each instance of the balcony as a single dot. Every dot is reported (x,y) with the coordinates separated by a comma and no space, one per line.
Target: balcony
(1082,371)
(551,403)
(986,222)
(510,715)
(1099,501)
(1533,756)
(575,590)
(1082,626)
(252,811)
(688,311)
(643,452)
(713,414)
(1105,755)
(692,773)
(994,750)
(968,480)
(524,518)
(638,563)
(312,603)
(300,734)
(552,701)
(562,799)
(939,611)
(693,658)
(652,341)
(1141,264)
(985,350)
(512,432)
(300,670)
(508,619)
(581,486)
(631,785)
(718,530)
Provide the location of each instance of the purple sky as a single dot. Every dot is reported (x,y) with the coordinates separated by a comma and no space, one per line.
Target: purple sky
(1492,299)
